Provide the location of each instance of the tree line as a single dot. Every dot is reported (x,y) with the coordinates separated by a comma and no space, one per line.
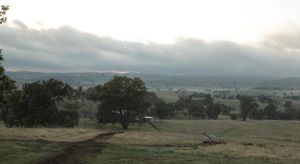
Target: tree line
(196,105)
(121,100)
(250,109)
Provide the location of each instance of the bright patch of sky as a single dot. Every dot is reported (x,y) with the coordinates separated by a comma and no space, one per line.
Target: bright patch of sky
(161,21)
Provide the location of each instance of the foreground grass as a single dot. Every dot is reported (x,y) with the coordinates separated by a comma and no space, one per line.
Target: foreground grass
(251,139)
(24,152)
(177,141)
(49,134)
(176,155)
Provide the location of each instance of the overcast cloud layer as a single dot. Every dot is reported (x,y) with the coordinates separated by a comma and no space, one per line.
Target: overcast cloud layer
(68,50)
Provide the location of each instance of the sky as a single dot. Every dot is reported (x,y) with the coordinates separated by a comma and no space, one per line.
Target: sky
(204,37)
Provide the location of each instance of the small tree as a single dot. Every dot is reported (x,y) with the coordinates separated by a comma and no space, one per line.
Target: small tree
(233,116)
(288,105)
(257,114)
(270,112)
(292,113)
(247,104)
(289,113)
(196,108)
(122,101)
(11,114)
(163,109)
(214,111)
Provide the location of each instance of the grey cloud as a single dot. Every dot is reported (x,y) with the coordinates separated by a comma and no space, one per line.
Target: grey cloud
(68,50)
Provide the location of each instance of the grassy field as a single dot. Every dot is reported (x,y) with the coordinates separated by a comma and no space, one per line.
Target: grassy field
(234,103)
(33,145)
(26,152)
(168,96)
(171,96)
(177,141)
(48,134)
(171,155)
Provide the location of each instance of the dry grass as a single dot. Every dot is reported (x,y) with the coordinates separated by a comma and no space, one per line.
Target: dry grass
(250,139)
(153,139)
(270,151)
(169,96)
(252,149)
(49,134)
(272,139)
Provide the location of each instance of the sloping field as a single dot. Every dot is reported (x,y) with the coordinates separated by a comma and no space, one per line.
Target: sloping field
(252,140)
(48,134)
(177,141)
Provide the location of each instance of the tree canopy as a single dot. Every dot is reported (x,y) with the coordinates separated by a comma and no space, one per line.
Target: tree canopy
(7,85)
(247,105)
(199,105)
(3,11)
(123,100)
(35,106)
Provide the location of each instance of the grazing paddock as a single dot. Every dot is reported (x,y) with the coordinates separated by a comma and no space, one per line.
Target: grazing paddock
(233,103)
(177,141)
(252,139)
(168,96)
(173,155)
(49,134)
(26,152)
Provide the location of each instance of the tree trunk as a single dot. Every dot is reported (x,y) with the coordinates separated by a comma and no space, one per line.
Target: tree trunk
(124,122)
(244,118)
(124,125)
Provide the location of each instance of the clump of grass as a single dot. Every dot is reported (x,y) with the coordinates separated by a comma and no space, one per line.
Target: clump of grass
(50,134)
(194,146)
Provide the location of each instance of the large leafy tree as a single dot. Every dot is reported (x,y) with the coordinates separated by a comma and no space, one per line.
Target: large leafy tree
(35,106)
(123,100)
(6,84)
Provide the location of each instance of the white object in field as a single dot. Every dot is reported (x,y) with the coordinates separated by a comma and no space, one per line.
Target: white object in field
(147,119)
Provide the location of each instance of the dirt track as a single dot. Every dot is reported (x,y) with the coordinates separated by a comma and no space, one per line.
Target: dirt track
(73,151)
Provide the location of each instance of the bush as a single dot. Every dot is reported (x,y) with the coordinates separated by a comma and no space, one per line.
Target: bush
(163,110)
(234,116)
(257,114)
(68,119)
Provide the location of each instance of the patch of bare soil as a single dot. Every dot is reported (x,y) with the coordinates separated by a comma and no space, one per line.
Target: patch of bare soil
(71,154)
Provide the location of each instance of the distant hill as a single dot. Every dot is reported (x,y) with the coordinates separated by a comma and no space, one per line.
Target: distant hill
(153,81)
(286,83)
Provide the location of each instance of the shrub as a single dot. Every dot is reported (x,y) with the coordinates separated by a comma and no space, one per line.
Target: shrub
(233,116)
